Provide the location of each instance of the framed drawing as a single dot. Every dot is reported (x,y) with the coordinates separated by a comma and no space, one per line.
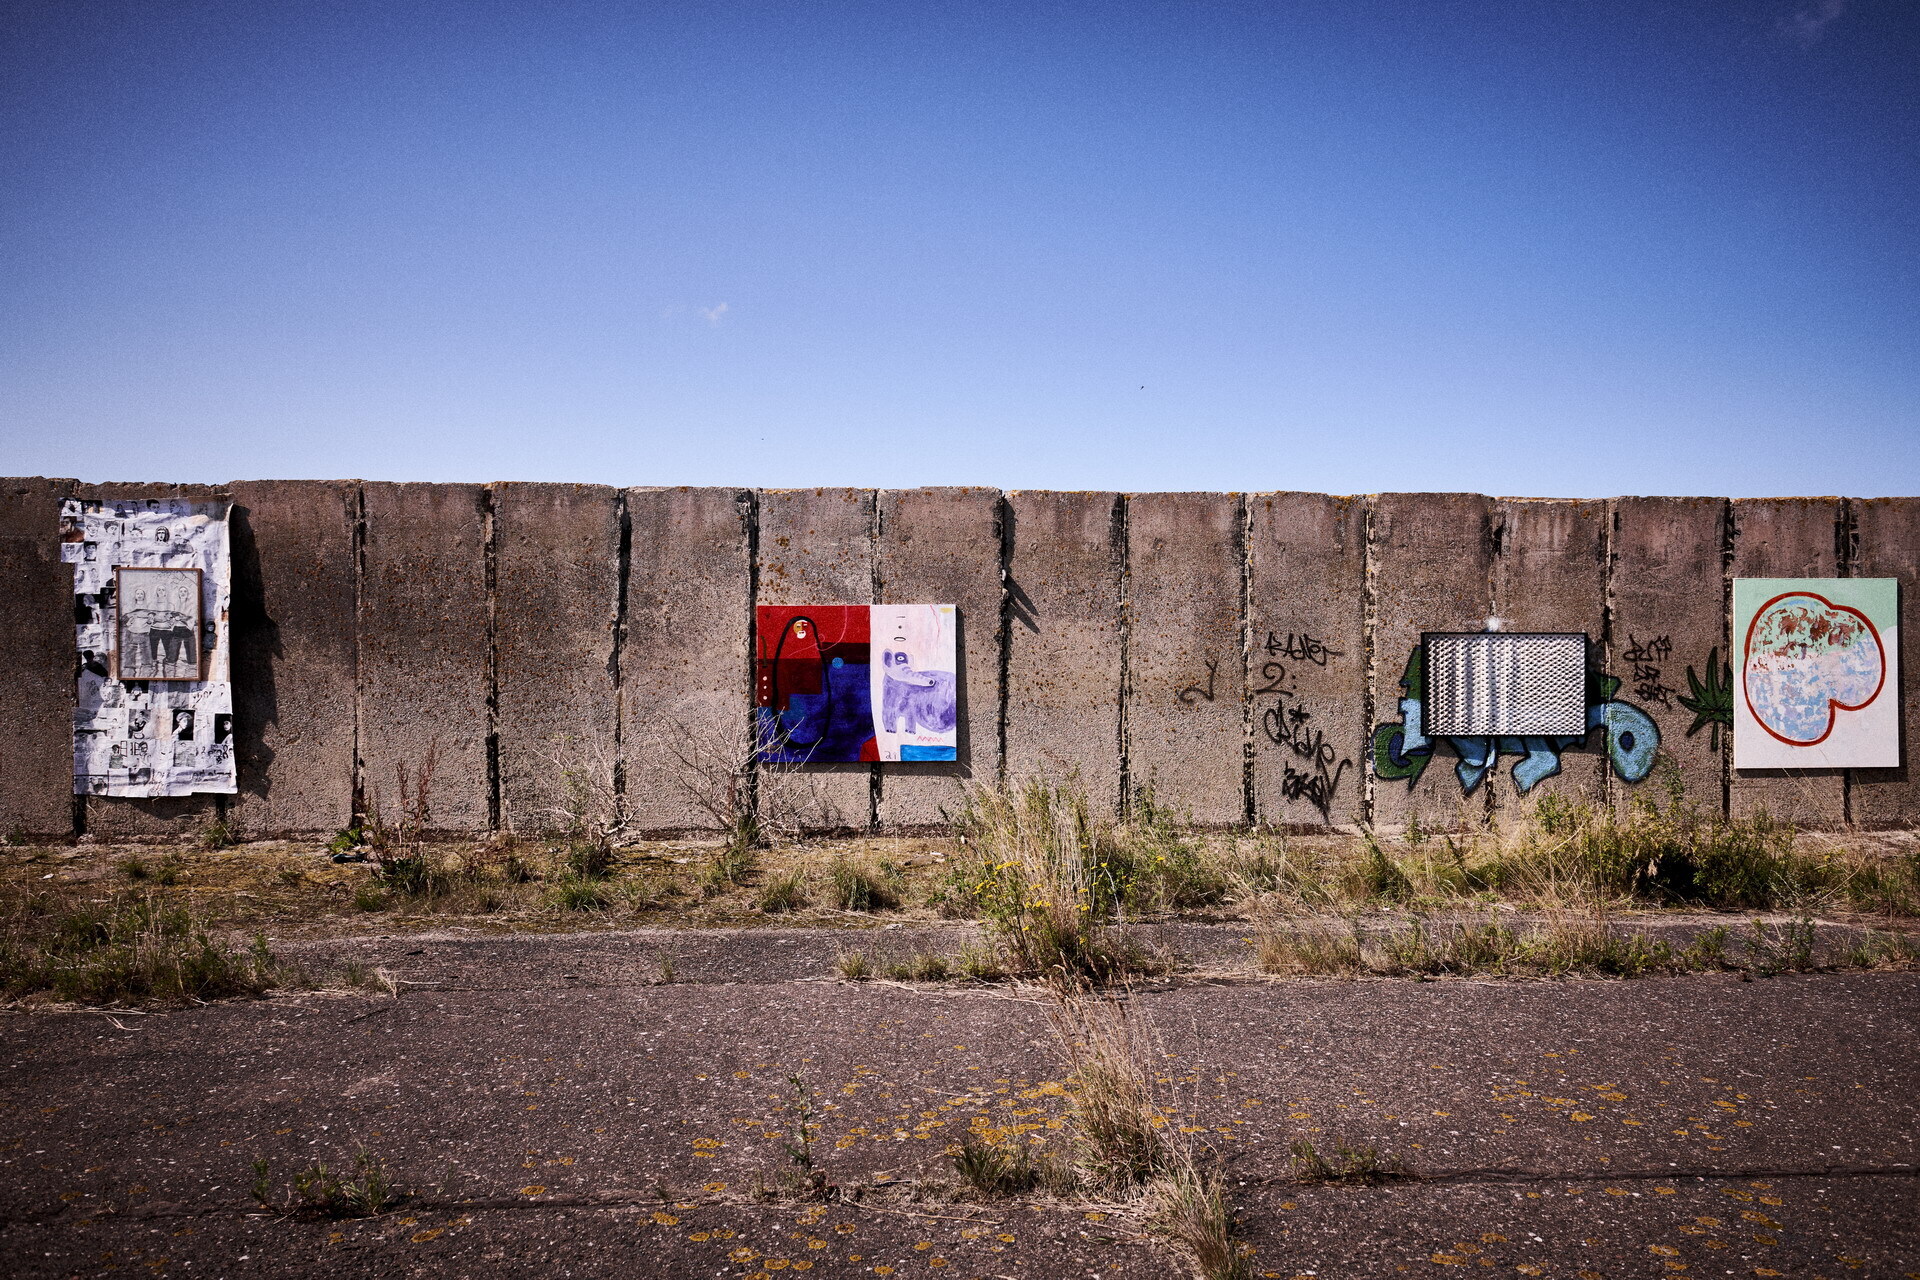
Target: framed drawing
(156,624)
(1817,673)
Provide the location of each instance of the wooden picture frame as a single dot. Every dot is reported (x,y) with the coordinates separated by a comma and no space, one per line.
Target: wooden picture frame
(158,624)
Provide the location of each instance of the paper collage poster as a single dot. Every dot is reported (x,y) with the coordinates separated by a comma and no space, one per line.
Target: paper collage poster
(1816,678)
(846,683)
(154,714)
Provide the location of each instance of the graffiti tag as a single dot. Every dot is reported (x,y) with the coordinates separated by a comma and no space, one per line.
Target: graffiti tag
(1646,659)
(1291,727)
(1301,648)
(1194,693)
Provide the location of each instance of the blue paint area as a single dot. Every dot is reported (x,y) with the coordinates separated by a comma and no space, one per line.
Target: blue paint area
(833,726)
(1402,751)
(909,751)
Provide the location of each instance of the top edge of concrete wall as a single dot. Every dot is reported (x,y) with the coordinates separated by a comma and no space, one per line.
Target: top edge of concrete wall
(99,485)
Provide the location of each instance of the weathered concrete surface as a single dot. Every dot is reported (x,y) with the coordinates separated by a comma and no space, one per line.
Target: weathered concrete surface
(423,651)
(556,602)
(942,546)
(1787,538)
(1186,656)
(36,635)
(1888,530)
(295,586)
(1063,639)
(114,817)
(1432,564)
(1551,575)
(816,547)
(532,1127)
(1307,661)
(1669,620)
(685,673)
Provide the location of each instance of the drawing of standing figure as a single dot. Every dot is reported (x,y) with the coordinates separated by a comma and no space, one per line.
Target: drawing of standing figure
(159,623)
(177,639)
(138,655)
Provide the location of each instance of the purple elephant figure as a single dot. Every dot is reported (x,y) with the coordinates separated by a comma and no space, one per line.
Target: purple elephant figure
(924,700)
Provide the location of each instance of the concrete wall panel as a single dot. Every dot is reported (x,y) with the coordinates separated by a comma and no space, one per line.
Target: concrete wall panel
(1307,661)
(942,546)
(685,686)
(556,602)
(1788,538)
(424,677)
(816,547)
(1889,547)
(294,654)
(36,635)
(1186,665)
(1550,574)
(1063,640)
(1432,563)
(1669,622)
(127,817)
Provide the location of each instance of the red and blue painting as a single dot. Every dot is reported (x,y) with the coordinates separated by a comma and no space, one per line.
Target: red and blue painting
(844,683)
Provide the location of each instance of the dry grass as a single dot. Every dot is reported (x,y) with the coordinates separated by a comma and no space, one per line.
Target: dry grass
(1193,1214)
(1563,946)
(124,949)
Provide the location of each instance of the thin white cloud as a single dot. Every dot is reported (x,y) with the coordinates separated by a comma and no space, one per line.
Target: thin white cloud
(713,314)
(1809,21)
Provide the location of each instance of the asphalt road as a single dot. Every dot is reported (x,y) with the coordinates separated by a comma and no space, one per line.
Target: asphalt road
(552,1109)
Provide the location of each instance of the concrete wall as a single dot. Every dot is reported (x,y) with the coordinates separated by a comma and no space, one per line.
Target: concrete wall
(1240,653)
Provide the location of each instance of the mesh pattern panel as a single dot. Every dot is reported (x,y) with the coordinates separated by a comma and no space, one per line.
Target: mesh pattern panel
(1488,684)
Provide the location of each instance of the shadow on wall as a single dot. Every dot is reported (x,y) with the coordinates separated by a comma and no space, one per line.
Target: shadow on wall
(256,649)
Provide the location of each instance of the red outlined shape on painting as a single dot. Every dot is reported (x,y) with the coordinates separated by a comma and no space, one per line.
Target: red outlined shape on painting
(1833,704)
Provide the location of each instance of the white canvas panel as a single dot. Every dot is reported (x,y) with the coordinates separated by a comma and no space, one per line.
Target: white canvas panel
(1816,673)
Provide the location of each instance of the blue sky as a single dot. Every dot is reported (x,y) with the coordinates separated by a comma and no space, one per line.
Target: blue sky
(1624,246)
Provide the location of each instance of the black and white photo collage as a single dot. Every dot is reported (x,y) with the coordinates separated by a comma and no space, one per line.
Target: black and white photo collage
(155,710)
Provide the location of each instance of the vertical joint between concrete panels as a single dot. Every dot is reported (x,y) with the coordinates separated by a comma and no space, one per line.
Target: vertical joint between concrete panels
(1369,616)
(747,502)
(1003,532)
(1846,538)
(1244,529)
(1846,550)
(875,586)
(1609,560)
(623,574)
(1121,551)
(1729,542)
(490,555)
(359,541)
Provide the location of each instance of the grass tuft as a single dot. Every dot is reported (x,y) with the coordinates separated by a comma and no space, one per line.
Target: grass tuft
(1001,1168)
(1352,1166)
(575,893)
(364,1191)
(1192,1212)
(784,893)
(853,887)
(127,949)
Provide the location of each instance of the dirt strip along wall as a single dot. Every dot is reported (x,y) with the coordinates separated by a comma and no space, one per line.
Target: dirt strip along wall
(550,648)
